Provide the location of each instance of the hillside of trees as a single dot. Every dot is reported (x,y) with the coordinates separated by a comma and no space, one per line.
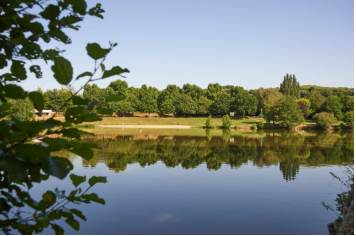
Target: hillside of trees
(287,105)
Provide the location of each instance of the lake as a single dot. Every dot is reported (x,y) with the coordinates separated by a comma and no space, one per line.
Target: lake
(210,182)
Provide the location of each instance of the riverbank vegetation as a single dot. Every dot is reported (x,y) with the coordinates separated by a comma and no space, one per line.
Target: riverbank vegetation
(286,106)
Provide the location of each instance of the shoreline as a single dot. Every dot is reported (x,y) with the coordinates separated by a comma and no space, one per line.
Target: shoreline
(147,126)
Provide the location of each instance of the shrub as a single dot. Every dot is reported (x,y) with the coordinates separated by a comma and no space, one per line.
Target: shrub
(260,125)
(254,127)
(324,120)
(226,122)
(208,124)
(349,119)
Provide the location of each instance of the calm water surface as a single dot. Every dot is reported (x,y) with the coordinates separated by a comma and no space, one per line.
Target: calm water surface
(197,182)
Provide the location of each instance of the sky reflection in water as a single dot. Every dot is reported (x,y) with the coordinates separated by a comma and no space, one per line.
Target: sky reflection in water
(217,183)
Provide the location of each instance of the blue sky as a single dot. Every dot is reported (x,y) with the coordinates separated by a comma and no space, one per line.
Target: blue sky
(249,43)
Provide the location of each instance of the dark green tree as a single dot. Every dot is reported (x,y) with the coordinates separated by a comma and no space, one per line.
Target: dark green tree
(193,91)
(54,99)
(221,104)
(208,124)
(349,119)
(171,92)
(324,120)
(202,106)
(213,90)
(148,99)
(95,96)
(120,87)
(316,100)
(243,103)
(226,122)
(333,105)
(290,86)
(185,105)
(167,107)
(269,106)
(22,109)
(288,112)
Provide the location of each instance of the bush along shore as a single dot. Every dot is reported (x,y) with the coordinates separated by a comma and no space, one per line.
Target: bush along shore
(344,224)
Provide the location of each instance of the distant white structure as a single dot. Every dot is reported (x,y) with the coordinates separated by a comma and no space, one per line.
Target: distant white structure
(45,113)
(232,113)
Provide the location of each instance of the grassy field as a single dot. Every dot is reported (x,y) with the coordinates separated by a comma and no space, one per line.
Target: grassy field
(191,121)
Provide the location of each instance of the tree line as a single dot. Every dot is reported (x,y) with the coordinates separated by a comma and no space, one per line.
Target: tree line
(287,105)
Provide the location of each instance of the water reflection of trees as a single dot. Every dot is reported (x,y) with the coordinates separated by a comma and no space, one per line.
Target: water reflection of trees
(288,150)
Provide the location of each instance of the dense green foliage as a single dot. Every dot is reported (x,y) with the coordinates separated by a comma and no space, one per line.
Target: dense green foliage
(304,105)
(290,86)
(349,119)
(288,112)
(226,122)
(324,120)
(217,100)
(208,124)
(25,25)
(333,105)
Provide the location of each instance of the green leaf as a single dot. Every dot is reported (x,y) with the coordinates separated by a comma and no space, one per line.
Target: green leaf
(80,101)
(95,11)
(13,91)
(79,6)
(59,35)
(51,122)
(96,52)
(114,98)
(80,114)
(116,70)
(56,144)
(32,152)
(57,166)
(75,114)
(16,36)
(36,70)
(37,99)
(87,73)
(28,127)
(18,69)
(71,19)
(77,180)
(73,223)
(50,54)
(14,167)
(78,213)
(97,179)
(102,67)
(51,12)
(63,71)
(93,197)
(72,133)
(49,197)
(85,153)
(104,111)
(3,62)
(36,28)
(57,229)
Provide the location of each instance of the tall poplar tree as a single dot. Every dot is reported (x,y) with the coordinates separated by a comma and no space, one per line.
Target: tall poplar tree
(290,86)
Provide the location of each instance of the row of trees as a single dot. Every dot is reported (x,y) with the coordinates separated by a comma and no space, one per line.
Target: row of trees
(288,105)
(190,100)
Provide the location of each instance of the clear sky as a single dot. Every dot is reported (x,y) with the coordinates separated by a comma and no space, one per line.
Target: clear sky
(249,43)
